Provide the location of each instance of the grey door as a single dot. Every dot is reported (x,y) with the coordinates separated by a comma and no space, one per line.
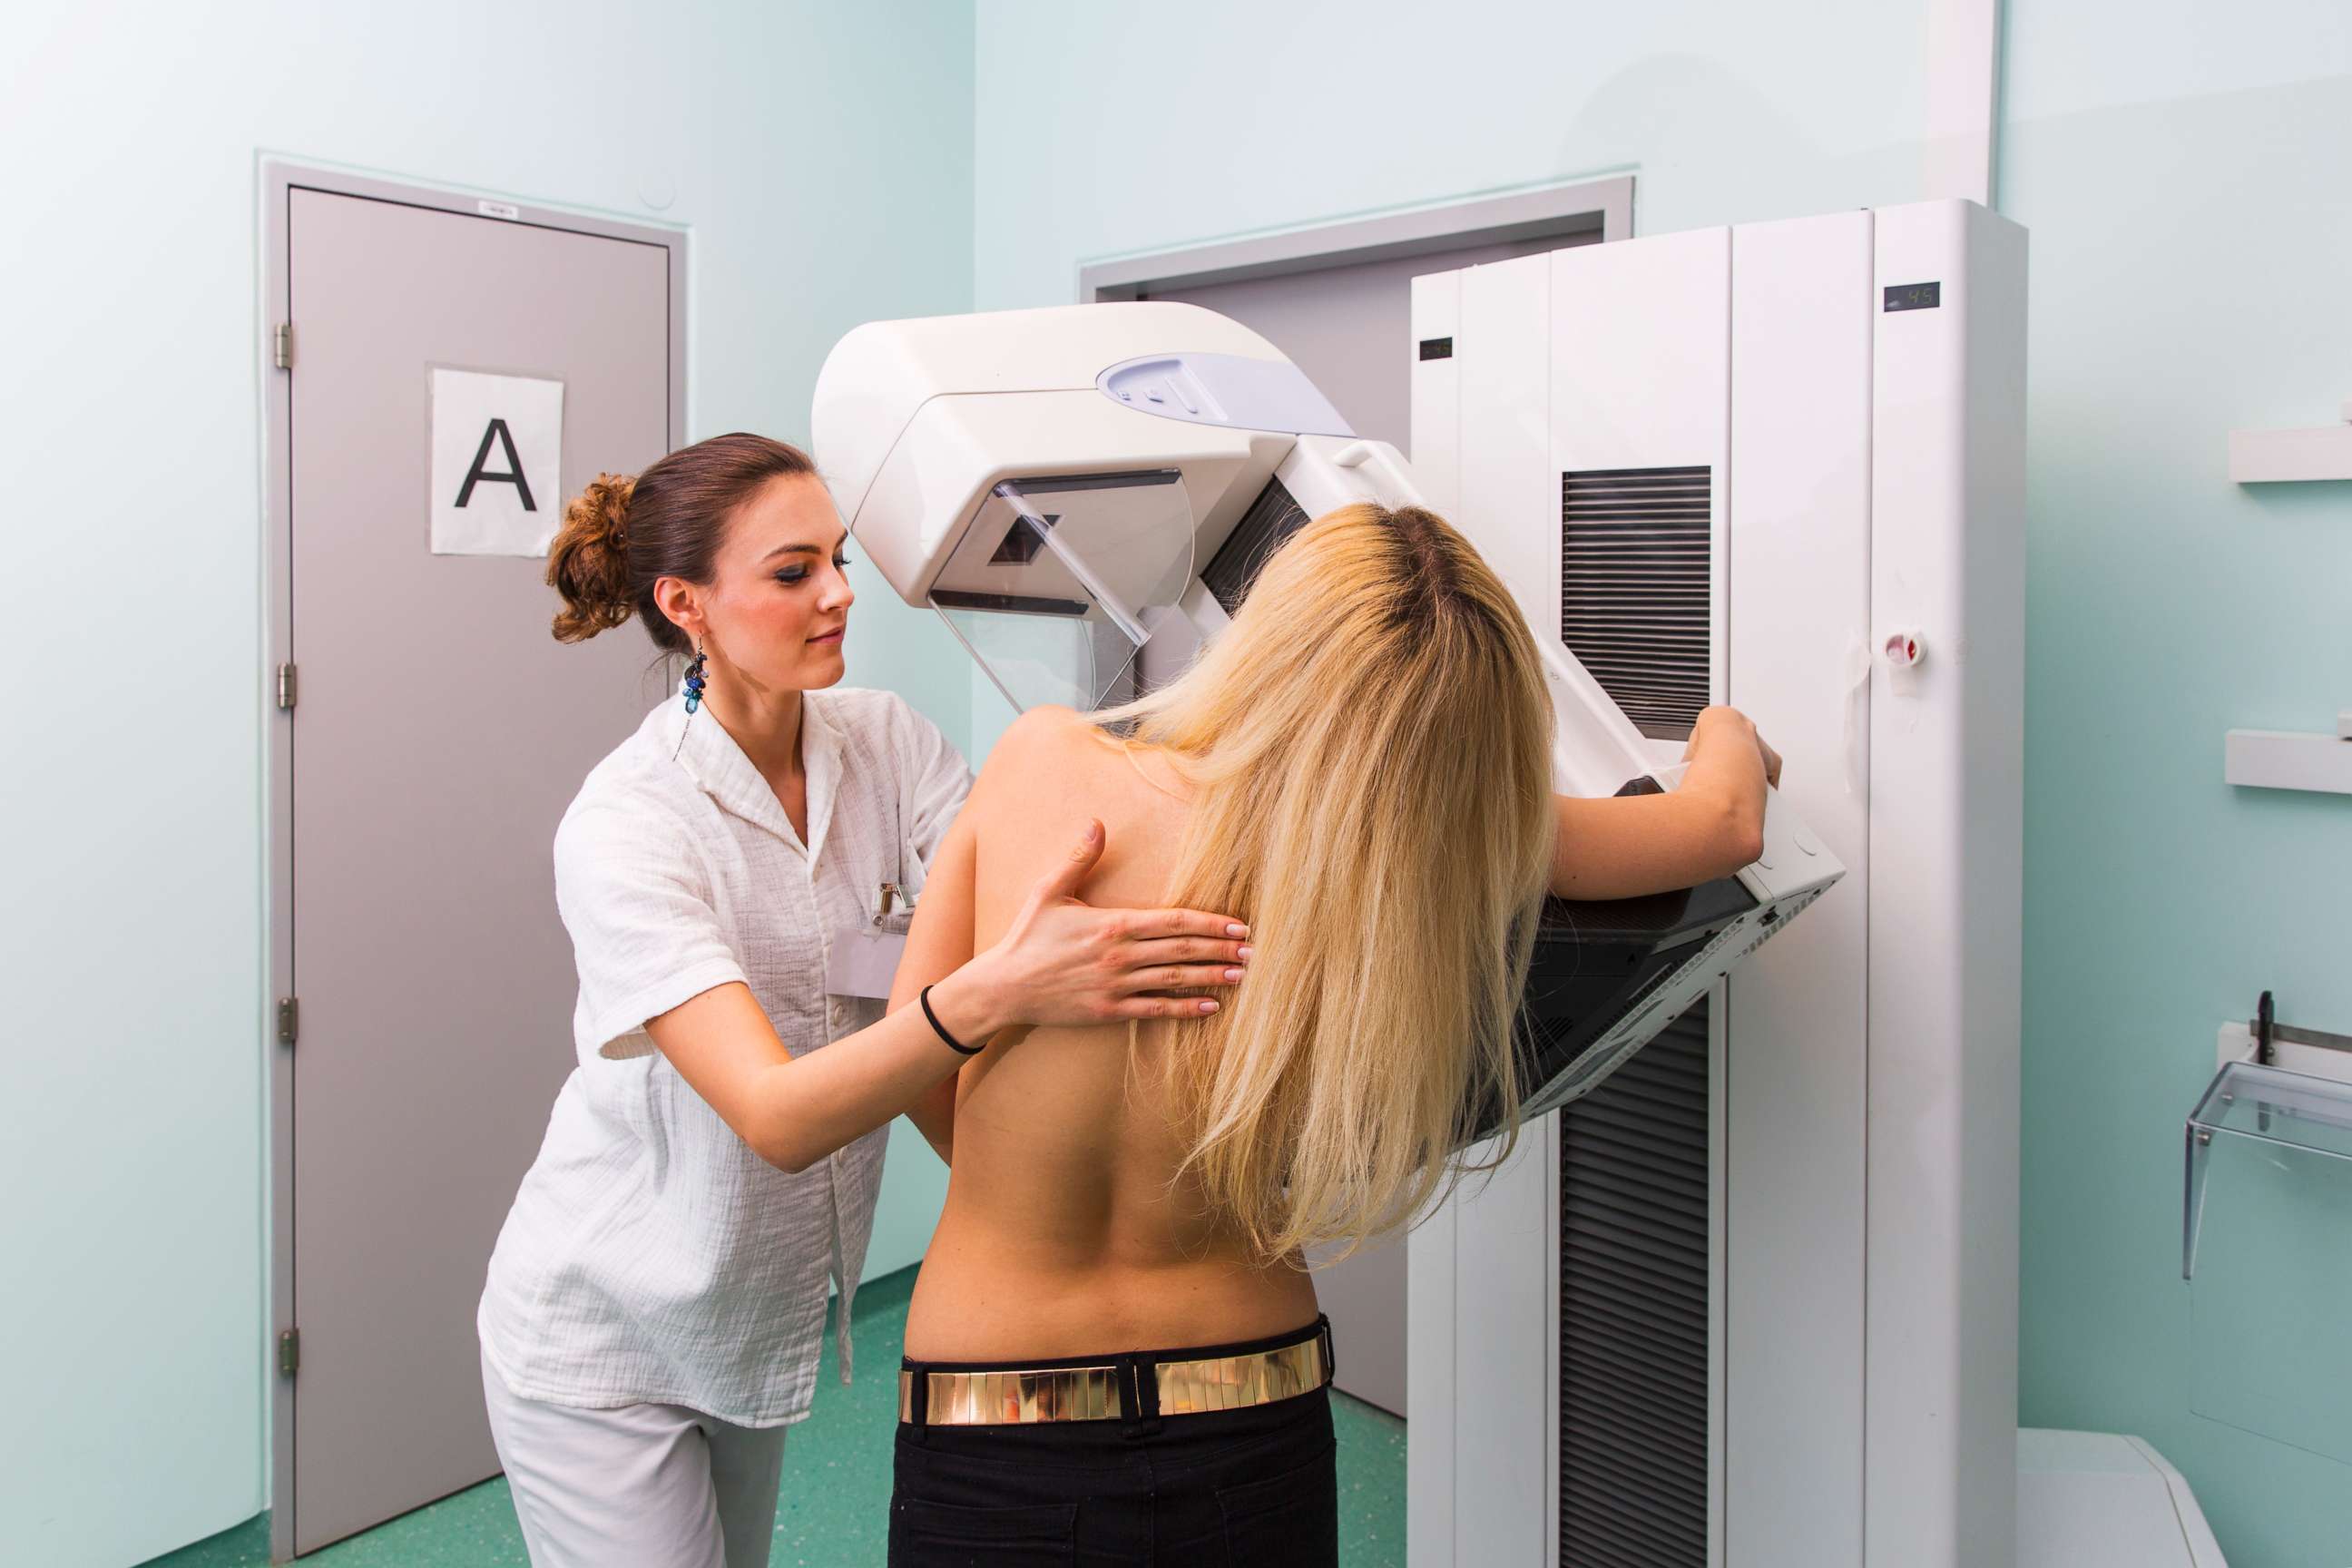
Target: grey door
(1349,328)
(438,734)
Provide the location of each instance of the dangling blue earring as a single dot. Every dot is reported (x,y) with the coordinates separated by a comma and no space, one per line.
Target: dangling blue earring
(695,681)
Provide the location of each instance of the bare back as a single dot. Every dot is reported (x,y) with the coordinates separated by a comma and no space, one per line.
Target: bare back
(1063,1233)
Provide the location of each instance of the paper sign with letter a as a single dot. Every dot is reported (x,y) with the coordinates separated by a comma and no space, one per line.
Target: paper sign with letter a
(498,462)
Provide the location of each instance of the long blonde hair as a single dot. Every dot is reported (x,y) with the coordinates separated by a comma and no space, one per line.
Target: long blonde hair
(1370,744)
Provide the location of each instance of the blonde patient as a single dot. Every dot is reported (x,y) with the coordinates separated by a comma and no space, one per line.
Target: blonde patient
(1359,768)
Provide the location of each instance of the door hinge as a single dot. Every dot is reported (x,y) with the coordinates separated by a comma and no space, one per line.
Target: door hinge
(285,686)
(289,1353)
(290,1020)
(282,345)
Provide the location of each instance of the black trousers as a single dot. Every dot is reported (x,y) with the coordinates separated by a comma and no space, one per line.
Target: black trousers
(1226,1489)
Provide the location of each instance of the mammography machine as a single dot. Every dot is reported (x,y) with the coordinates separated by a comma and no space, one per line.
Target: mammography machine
(1086,495)
(1750,1298)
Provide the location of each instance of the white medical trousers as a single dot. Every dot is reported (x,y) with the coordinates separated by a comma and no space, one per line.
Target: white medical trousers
(642,1486)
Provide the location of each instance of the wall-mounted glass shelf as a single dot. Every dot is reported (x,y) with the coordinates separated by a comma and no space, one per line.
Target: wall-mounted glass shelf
(2267,1209)
(2262,1105)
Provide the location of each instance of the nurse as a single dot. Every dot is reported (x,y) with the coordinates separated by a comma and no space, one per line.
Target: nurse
(729,876)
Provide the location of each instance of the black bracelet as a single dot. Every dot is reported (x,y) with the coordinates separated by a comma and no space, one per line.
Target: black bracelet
(924,996)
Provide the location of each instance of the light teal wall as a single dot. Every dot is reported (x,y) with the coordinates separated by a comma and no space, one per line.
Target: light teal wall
(1106,129)
(2186,172)
(820,152)
(1103,129)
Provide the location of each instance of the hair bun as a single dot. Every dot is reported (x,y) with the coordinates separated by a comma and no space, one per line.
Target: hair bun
(588,560)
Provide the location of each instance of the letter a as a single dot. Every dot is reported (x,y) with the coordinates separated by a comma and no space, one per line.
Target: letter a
(498,431)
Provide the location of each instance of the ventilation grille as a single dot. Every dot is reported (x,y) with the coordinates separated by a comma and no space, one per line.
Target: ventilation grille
(1633,583)
(1274,517)
(1633,1311)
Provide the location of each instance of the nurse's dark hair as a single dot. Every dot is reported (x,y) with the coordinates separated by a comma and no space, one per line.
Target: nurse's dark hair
(621,535)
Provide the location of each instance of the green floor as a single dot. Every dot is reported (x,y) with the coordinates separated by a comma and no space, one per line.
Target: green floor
(836,1486)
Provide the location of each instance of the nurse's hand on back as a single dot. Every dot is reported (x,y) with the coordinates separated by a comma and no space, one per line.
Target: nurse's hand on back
(1062,962)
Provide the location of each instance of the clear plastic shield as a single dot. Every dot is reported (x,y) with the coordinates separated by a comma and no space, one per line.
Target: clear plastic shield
(1060,581)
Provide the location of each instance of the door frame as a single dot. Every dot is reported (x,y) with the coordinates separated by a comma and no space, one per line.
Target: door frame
(279,178)
(1561,211)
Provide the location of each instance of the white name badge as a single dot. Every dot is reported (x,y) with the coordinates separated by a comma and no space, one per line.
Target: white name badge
(863,961)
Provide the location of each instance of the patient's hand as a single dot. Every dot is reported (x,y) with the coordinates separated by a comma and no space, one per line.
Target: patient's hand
(1730,726)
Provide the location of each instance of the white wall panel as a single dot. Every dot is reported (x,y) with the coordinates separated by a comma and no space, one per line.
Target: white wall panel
(1946,874)
(1433,440)
(1800,573)
(1485,1260)
(1430,1251)
(1506,1285)
(1508,501)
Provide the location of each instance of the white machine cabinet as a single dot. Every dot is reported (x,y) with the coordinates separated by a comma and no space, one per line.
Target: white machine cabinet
(1780,465)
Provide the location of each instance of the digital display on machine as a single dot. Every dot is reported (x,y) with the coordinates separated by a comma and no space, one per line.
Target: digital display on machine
(1913,296)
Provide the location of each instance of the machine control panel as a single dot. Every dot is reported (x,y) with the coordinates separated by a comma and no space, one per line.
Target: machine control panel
(1223,389)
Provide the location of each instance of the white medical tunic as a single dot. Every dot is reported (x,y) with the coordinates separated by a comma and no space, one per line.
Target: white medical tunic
(650,1255)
